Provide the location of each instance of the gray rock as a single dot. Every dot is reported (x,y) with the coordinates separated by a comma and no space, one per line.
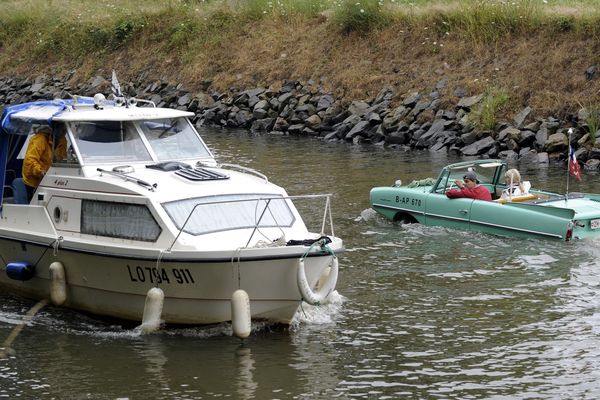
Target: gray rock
(509,155)
(429,137)
(358,108)
(284,98)
(97,81)
(325,102)
(441,84)
(479,147)
(594,153)
(541,136)
(306,108)
(373,118)
(295,129)
(582,154)
(411,100)
(280,124)
(261,105)
(385,94)
(520,117)
(439,146)
(313,122)
(331,137)
(419,107)
(36,87)
(243,118)
(460,92)
(360,129)
(556,142)
(543,158)
(309,132)
(185,99)
(508,133)
(468,138)
(260,113)
(397,138)
(534,126)
(527,139)
(592,165)
(468,102)
(262,125)
(528,155)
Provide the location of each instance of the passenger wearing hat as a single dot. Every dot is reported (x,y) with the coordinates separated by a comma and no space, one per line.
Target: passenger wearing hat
(470,188)
(38,157)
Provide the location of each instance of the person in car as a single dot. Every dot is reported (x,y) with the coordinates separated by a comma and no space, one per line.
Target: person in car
(469,187)
(514,186)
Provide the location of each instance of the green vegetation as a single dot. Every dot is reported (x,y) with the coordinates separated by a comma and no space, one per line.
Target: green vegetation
(360,16)
(536,49)
(592,119)
(484,117)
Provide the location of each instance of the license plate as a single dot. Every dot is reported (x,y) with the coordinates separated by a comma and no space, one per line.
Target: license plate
(595,223)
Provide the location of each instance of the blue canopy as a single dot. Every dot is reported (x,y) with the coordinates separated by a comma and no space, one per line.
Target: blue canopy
(18,119)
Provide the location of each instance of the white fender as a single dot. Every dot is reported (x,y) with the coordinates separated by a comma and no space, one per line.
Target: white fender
(241,316)
(153,310)
(322,293)
(58,283)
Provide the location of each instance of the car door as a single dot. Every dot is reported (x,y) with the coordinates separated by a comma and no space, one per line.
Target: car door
(451,213)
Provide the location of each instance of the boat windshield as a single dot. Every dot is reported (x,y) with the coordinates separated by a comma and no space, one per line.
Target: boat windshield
(228,212)
(173,139)
(108,141)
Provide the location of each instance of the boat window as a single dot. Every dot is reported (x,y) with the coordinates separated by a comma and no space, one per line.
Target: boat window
(174,138)
(119,220)
(63,152)
(109,141)
(227,212)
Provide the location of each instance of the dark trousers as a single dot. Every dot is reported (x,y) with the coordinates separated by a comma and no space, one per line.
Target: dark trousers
(30,192)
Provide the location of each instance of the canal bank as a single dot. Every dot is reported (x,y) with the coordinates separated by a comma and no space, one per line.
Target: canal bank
(418,120)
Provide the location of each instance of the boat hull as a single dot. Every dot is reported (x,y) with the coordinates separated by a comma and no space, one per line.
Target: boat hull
(197,291)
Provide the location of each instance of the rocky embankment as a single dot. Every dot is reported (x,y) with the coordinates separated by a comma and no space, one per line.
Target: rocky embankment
(420,121)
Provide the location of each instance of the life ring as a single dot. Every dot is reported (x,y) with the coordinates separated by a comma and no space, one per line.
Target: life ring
(319,296)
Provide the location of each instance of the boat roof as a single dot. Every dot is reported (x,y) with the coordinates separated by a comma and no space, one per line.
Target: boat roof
(19,119)
(120,114)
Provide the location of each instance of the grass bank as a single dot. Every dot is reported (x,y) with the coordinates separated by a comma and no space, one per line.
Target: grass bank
(534,52)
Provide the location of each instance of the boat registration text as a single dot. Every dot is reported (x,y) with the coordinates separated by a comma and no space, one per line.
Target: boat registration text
(179,276)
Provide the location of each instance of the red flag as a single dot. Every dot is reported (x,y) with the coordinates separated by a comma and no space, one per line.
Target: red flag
(574,165)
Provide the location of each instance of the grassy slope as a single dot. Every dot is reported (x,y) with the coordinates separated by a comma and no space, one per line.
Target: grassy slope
(538,56)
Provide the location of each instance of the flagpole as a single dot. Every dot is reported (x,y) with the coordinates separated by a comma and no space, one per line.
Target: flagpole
(570,131)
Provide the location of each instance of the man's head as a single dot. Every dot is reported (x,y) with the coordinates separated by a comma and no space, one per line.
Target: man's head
(45,129)
(470,179)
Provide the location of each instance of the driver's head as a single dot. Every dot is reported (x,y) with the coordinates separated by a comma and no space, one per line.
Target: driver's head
(470,179)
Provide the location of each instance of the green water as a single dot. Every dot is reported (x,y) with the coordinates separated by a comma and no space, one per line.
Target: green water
(420,313)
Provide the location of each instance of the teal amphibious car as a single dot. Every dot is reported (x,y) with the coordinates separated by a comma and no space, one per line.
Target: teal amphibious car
(535,213)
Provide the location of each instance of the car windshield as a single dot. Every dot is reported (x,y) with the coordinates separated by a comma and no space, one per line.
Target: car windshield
(227,212)
(109,141)
(485,175)
(173,139)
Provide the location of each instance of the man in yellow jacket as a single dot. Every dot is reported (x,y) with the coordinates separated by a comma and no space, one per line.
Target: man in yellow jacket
(38,157)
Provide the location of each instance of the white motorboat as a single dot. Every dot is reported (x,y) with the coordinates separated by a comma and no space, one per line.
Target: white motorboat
(138,203)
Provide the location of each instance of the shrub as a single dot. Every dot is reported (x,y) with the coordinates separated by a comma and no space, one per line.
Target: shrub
(591,118)
(485,116)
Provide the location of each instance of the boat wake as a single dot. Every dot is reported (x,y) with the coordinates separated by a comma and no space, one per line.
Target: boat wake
(319,315)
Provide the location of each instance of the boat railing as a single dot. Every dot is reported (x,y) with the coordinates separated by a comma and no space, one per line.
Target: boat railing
(246,169)
(327,219)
